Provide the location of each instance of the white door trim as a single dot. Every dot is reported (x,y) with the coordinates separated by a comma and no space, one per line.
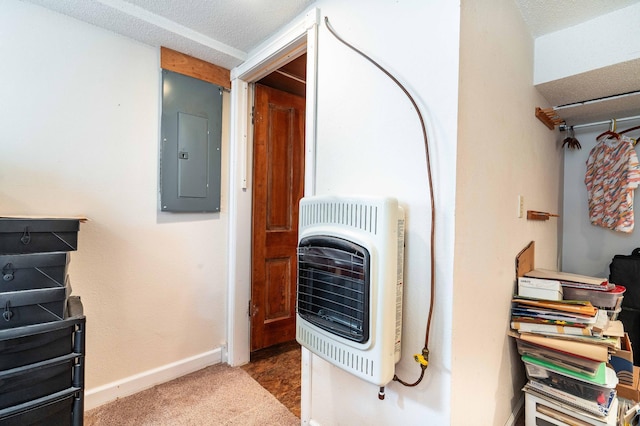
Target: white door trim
(301,36)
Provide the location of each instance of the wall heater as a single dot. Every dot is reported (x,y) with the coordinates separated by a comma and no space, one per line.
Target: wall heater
(350,283)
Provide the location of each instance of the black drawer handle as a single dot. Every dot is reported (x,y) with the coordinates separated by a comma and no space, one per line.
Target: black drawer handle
(26,236)
(7,314)
(7,272)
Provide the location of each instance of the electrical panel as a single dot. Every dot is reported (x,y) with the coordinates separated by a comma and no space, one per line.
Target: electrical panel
(190,152)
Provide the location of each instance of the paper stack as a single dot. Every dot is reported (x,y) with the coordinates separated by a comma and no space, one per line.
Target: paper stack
(599,291)
(565,345)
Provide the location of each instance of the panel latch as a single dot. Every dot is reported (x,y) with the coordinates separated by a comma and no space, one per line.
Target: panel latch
(7,272)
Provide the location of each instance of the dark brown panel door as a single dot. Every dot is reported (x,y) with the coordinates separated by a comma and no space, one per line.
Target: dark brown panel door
(278,173)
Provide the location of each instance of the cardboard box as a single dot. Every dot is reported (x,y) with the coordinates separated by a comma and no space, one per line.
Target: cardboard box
(630,392)
(622,361)
(539,288)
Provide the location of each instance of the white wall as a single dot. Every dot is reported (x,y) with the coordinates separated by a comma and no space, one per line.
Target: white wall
(369,142)
(589,249)
(503,152)
(588,46)
(79,125)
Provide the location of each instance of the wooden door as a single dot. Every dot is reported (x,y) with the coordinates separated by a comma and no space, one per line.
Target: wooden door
(278,175)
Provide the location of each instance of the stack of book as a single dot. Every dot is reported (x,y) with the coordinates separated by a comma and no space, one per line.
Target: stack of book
(599,291)
(565,346)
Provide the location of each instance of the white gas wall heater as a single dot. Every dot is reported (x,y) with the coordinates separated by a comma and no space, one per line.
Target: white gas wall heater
(350,283)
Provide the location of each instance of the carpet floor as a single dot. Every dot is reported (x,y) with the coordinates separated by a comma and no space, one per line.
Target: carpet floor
(216,395)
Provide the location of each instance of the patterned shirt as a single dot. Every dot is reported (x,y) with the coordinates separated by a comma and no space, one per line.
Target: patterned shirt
(612,175)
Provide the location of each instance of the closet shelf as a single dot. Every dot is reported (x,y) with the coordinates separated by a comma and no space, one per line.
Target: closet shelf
(535,215)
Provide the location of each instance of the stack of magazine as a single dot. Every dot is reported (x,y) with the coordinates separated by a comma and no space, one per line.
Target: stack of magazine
(565,346)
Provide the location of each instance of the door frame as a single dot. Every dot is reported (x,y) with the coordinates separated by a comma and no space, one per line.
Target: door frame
(301,36)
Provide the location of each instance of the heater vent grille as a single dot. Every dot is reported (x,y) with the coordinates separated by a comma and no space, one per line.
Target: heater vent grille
(333,286)
(356,215)
(339,355)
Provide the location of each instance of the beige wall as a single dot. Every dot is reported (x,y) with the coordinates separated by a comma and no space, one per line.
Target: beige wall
(79,130)
(503,152)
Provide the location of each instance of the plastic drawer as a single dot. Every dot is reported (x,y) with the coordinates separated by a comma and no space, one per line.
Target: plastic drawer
(34,343)
(61,408)
(28,235)
(26,307)
(23,384)
(611,299)
(35,348)
(30,271)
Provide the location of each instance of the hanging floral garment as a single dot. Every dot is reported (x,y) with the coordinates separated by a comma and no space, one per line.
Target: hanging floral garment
(613,173)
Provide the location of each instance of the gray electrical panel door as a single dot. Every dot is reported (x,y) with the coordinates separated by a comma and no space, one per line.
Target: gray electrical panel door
(190,144)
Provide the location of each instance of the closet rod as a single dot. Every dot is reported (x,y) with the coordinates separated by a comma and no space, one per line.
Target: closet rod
(291,76)
(564,127)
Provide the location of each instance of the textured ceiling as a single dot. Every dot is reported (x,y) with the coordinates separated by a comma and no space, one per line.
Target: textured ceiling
(228,29)
(218,31)
(224,31)
(241,24)
(547,16)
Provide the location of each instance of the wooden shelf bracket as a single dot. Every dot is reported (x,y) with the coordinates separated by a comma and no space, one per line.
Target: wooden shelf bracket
(535,215)
(549,117)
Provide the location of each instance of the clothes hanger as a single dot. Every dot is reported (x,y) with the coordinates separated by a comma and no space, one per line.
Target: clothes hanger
(634,141)
(611,132)
(570,140)
(629,129)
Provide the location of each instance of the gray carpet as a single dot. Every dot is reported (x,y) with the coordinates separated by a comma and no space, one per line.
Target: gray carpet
(216,395)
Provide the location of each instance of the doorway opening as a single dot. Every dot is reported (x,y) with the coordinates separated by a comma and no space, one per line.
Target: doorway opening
(278,184)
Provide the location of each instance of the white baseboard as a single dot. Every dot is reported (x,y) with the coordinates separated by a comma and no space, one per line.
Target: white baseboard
(100,395)
(517,410)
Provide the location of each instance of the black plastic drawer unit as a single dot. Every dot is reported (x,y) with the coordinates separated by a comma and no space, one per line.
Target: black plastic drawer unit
(27,235)
(42,371)
(37,270)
